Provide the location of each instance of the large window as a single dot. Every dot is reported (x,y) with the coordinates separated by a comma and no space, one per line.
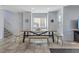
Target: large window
(39,23)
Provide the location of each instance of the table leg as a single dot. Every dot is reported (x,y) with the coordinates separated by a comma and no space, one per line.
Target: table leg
(27,34)
(24,37)
(49,34)
(53,36)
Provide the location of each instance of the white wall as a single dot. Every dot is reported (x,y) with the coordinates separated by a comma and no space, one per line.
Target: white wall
(12,22)
(51,15)
(57,25)
(52,26)
(70,13)
(20,14)
(26,25)
(60,22)
(1,24)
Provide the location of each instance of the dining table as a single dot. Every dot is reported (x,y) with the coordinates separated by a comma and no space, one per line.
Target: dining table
(38,33)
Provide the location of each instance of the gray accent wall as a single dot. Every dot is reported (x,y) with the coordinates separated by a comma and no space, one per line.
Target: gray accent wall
(71,13)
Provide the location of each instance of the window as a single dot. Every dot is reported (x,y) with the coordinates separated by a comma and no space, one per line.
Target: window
(39,23)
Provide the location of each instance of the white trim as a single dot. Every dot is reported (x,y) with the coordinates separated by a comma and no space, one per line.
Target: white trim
(47,21)
(31,20)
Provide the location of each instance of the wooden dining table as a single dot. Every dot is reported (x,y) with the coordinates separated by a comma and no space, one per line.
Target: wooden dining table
(35,33)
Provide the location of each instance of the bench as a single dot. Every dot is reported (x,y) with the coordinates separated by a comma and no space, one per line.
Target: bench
(39,37)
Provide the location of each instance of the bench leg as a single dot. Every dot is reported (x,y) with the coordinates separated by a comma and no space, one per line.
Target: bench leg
(62,41)
(29,40)
(48,42)
(57,39)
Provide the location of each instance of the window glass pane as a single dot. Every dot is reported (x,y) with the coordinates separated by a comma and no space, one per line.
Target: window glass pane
(39,23)
(36,22)
(43,23)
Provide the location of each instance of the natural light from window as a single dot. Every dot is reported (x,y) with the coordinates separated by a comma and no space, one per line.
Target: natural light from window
(39,24)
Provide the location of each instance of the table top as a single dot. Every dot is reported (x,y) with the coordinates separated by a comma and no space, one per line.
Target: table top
(39,31)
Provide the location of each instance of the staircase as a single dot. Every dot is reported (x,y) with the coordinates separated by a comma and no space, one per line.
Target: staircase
(6,33)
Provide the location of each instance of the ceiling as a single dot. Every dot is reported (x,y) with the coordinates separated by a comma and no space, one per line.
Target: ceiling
(33,8)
